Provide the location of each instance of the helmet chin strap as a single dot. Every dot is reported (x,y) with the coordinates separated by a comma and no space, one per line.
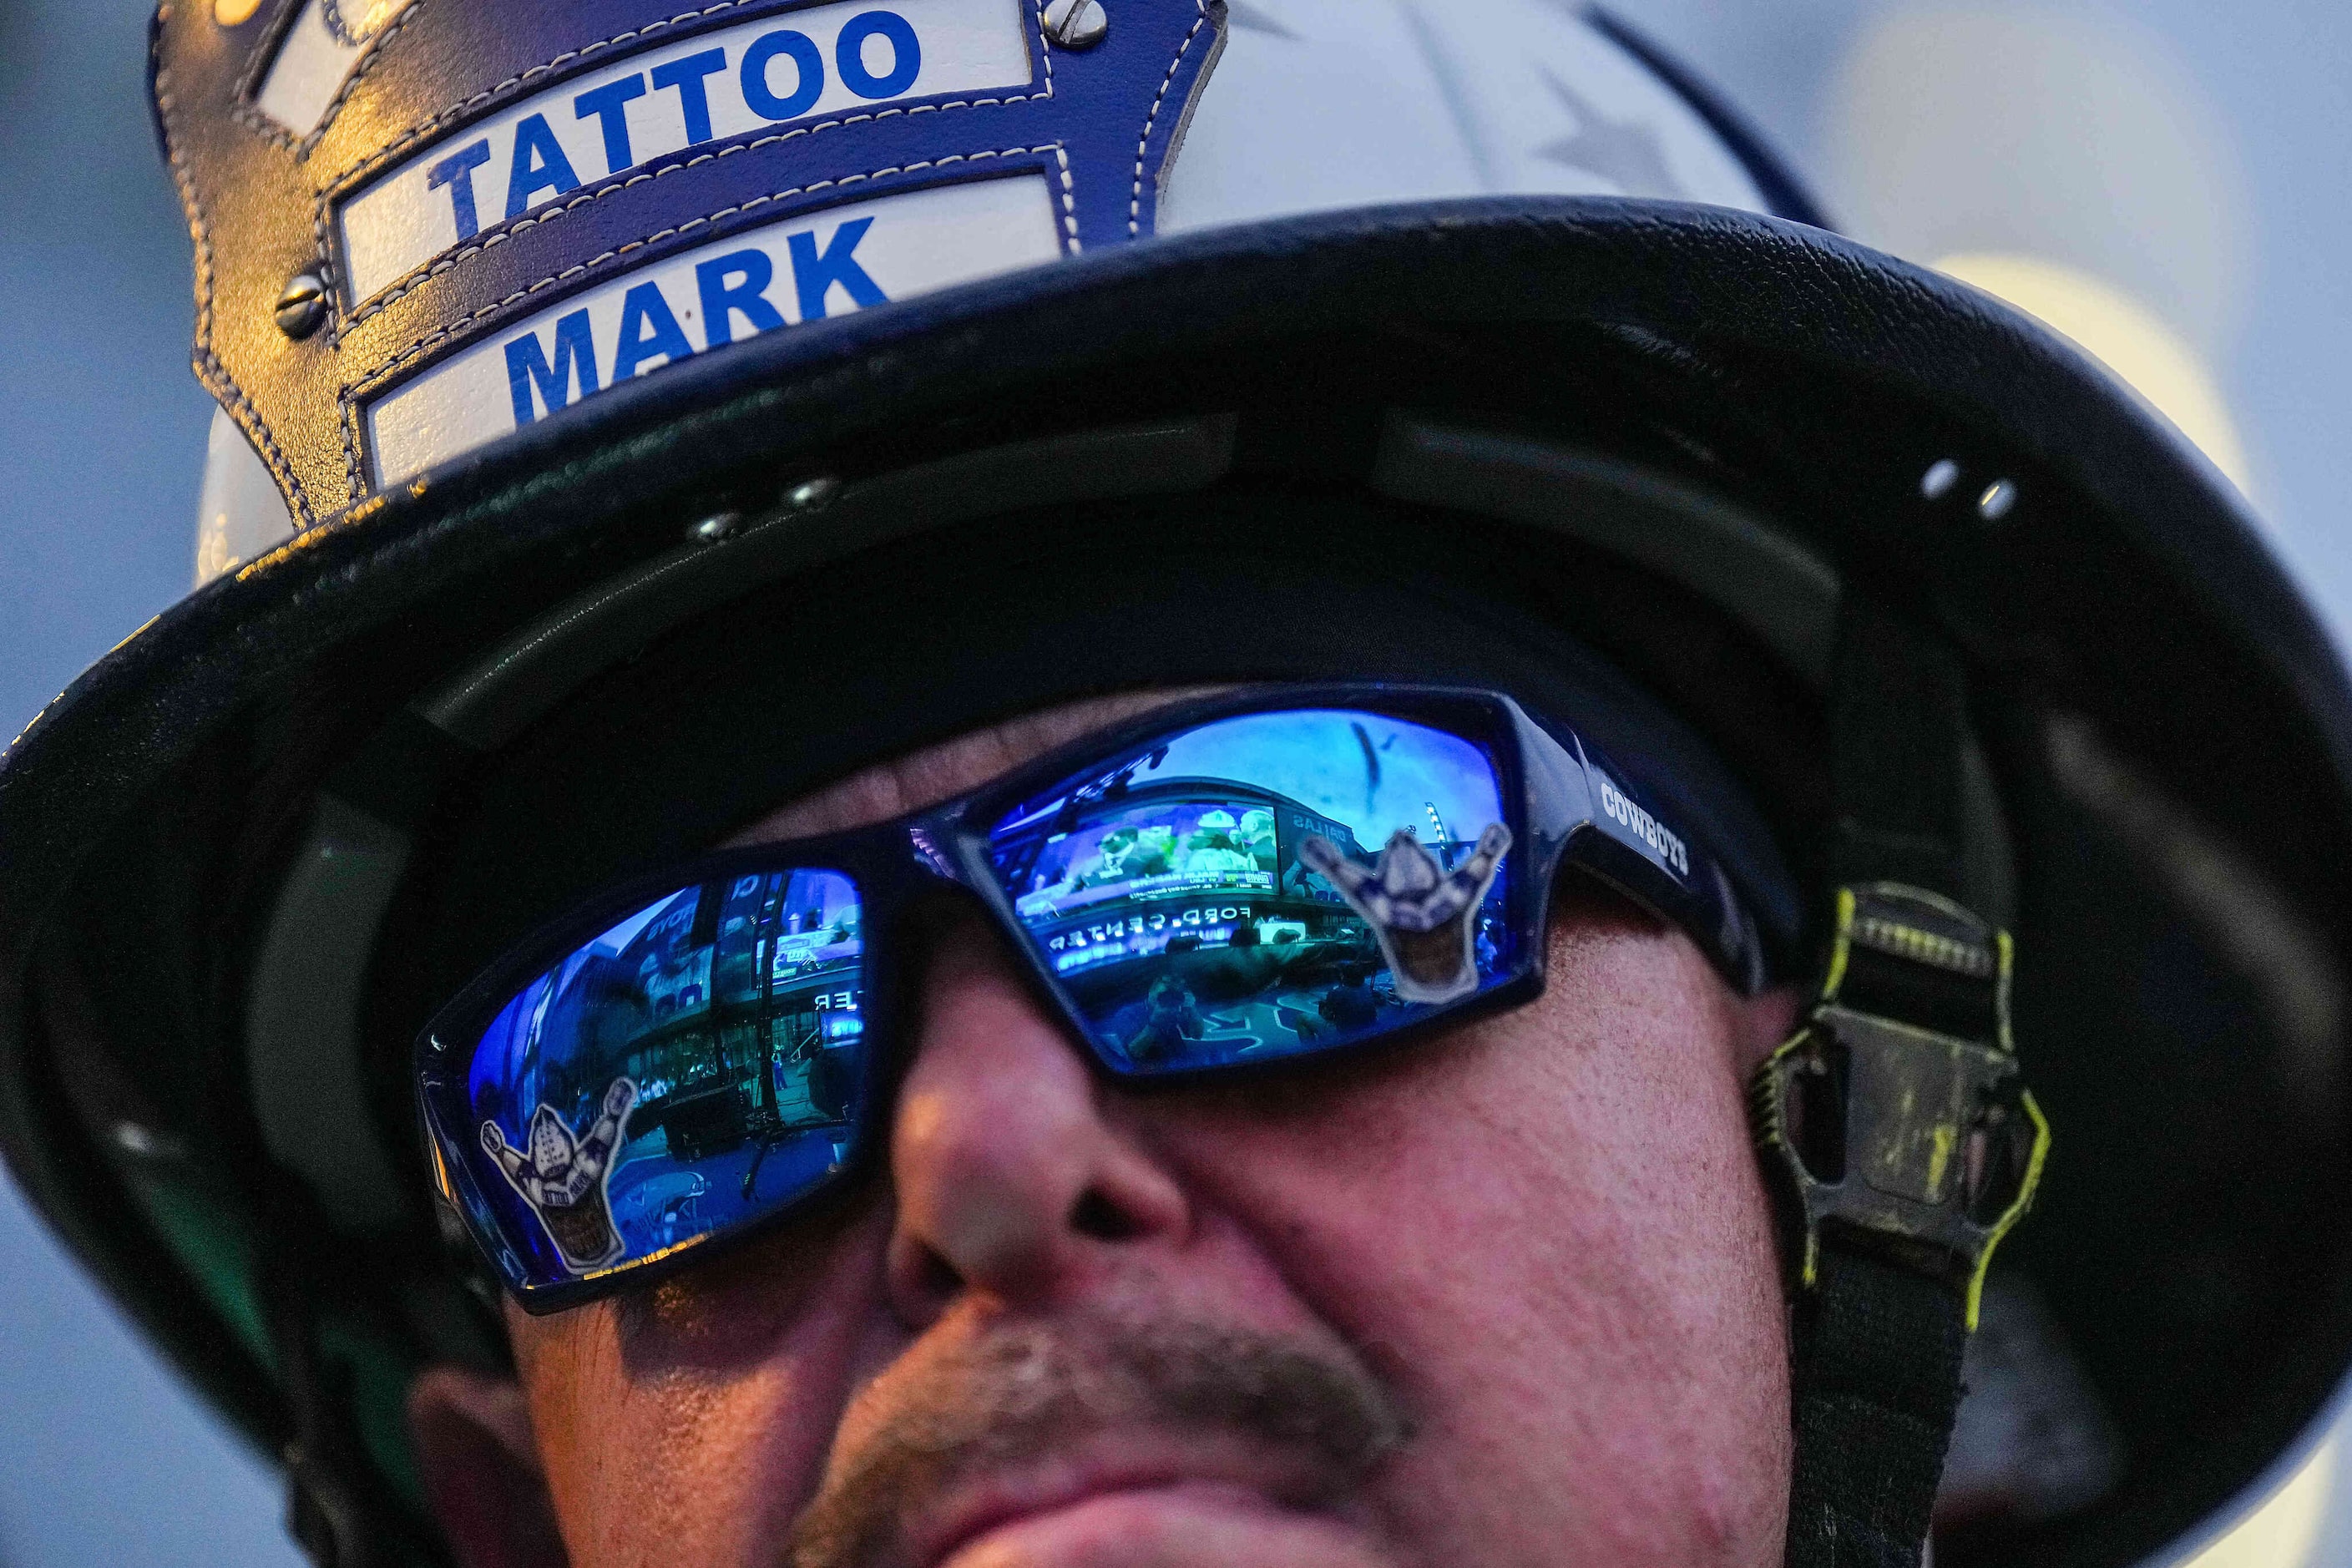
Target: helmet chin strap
(338,1509)
(1894,1121)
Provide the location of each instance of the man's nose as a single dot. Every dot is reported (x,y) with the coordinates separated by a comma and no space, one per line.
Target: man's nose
(1013,1182)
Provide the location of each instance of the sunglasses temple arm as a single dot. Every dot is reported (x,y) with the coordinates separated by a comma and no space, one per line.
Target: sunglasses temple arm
(1560,807)
(1558,793)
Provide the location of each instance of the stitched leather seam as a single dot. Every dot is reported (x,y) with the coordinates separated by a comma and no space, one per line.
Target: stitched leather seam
(257,63)
(408,281)
(490,95)
(577,268)
(438,334)
(1143,142)
(433,123)
(348,417)
(207,365)
(1044,44)
(1069,197)
(304,144)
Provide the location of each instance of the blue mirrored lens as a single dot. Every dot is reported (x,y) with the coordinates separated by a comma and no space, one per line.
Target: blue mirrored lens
(1266,885)
(695,1066)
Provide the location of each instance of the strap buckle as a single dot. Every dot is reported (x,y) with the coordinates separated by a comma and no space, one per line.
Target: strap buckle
(326,1520)
(1896,1114)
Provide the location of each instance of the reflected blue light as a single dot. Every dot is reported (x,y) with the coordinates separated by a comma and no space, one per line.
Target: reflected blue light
(692,1066)
(1165,889)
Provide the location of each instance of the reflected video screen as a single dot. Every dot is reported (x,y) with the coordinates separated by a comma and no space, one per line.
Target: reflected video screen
(676,1073)
(1169,894)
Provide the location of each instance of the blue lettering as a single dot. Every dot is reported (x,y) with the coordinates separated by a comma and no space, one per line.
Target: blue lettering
(607,103)
(808,84)
(849,55)
(576,351)
(720,298)
(456,172)
(686,75)
(814,274)
(648,331)
(539,164)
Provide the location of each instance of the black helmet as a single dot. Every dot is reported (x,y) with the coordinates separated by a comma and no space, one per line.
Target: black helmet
(891,332)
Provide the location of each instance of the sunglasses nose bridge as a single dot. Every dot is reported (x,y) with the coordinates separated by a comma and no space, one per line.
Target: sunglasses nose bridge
(950,870)
(937,906)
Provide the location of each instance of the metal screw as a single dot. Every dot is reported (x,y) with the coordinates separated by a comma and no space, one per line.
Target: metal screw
(303,306)
(810,495)
(1998,499)
(1937,482)
(716,529)
(1076,24)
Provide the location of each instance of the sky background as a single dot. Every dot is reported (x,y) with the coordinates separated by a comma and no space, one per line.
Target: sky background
(2169,178)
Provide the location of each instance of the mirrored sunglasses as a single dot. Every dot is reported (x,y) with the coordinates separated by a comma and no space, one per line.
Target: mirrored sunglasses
(1223,888)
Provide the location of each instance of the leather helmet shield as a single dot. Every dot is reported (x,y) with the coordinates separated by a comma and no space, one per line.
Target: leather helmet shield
(507,212)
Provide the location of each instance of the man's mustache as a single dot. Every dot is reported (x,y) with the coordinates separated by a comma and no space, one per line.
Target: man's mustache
(1022,1390)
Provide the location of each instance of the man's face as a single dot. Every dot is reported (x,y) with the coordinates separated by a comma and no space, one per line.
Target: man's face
(1507,1296)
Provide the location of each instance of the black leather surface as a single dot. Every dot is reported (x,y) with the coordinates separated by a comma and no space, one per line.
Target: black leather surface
(260,202)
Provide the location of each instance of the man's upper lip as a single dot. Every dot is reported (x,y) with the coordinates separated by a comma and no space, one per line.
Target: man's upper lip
(973,1505)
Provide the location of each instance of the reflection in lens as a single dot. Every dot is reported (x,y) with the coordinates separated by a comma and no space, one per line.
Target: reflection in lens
(1266,885)
(694,1065)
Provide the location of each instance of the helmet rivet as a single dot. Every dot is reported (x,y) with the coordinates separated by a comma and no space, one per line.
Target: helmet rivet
(1937,482)
(716,529)
(137,1139)
(1076,24)
(303,305)
(1998,499)
(811,494)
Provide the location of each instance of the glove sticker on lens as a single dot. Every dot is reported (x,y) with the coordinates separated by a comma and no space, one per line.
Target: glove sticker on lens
(564,1177)
(1420,913)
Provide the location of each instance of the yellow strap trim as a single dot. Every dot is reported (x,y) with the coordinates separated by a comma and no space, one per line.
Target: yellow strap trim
(2016,1210)
(1841,945)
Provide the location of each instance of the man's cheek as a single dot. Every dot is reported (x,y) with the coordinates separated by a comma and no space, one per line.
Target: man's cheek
(692,1468)
(1547,1231)
(691,1423)
(740,1305)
